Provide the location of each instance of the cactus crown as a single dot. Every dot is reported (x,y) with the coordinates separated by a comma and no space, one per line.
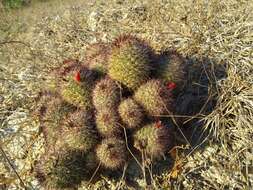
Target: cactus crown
(112,153)
(154,138)
(129,62)
(154,97)
(131,113)
(106,94)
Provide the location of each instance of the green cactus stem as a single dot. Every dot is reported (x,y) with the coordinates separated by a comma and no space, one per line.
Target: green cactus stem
(154,97)
(154,138)
(129,62)
(131,113)
(112,153)
(107,122)
(106,94)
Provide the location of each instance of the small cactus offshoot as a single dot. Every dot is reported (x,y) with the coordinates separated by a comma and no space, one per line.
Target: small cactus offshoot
(171,69)
(154,138)
(154,97)
(107,122)
(131,113)
(77,89)
(112,153)
(106,94)
(77,94)
(97,57)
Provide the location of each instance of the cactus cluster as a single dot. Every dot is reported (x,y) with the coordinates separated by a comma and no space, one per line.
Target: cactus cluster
(93,108)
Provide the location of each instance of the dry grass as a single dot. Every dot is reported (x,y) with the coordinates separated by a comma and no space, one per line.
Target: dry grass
(219,30)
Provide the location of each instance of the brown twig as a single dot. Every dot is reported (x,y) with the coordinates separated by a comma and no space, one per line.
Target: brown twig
(144,167)
(129,148)
(14,42)
(94,173)
(12,167)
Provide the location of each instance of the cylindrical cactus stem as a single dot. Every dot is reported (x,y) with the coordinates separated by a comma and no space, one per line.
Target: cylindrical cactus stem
(112,153)
(154,138)
(154,97)
(131,113)
(129,62)
(171,68)
(78,133)
(52,112)
(106,94)
(107,122)
(79,138)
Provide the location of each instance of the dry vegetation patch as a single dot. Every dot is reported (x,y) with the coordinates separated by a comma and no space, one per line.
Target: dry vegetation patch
(216,36)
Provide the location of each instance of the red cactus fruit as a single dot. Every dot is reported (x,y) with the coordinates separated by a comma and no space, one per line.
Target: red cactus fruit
(77,76)
(171,85)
